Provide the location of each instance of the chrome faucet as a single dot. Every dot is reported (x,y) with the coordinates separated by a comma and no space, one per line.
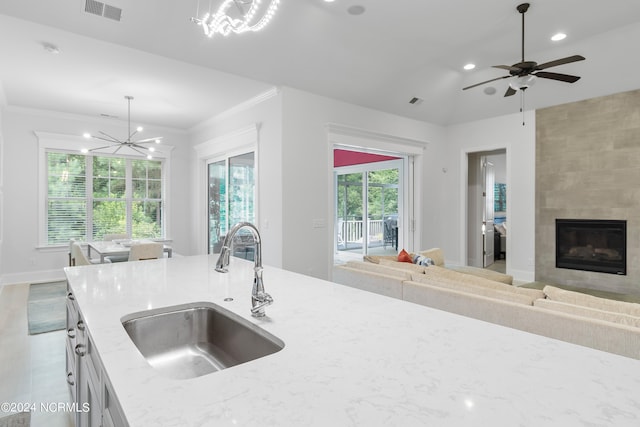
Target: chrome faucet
(259,298)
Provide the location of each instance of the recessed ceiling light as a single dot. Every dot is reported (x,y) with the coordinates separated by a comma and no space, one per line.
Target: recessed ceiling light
(356,10)
(558,37)
(469,66)
(329,1)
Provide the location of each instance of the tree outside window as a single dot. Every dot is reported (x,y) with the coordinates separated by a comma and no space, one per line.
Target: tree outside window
(124,196)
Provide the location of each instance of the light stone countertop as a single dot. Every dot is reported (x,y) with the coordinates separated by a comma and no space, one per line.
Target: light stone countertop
(351,358)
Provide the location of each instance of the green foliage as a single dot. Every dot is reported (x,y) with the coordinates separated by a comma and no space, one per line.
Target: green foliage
(67,197)
(382,197)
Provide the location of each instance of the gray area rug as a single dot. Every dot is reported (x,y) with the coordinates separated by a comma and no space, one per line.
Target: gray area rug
(21,419)
(46,307)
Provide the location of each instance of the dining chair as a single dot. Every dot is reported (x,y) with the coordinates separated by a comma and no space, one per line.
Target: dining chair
(78,257)
(144,251)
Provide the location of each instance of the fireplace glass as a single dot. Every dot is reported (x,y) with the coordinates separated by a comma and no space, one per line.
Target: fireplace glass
(592,245)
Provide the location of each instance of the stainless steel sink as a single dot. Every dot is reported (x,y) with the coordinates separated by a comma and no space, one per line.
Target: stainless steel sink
(191,340)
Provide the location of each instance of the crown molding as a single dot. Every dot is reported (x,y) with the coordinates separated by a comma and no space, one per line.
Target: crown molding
(243,106)
(87,119)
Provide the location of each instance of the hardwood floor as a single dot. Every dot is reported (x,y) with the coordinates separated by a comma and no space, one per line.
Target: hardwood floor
(498,265)
(32,367)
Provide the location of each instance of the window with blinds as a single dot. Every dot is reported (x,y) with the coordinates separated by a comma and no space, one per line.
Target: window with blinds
(89,196)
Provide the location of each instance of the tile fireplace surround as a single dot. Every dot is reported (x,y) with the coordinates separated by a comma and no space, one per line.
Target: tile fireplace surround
(588,166)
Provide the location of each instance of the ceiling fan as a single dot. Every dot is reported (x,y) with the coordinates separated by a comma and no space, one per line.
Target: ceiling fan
(526,72)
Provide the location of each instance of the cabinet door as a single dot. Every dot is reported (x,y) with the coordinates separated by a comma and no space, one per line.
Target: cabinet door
(112,415)
(89,396)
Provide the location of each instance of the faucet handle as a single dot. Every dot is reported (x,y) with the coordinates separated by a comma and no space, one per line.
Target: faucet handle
(259,302)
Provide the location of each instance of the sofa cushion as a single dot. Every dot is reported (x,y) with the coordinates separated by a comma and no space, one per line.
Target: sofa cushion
(389,270)
(487,274)
(472,289)
(406,266)
(448,276)
(435,254)
(577,298)
(375,259)
(379,283)
(593,313)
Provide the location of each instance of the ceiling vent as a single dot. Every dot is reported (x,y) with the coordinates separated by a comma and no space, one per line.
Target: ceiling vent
(415,101)
(102,9)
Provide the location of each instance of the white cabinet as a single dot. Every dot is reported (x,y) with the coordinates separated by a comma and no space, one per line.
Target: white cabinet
(95,403)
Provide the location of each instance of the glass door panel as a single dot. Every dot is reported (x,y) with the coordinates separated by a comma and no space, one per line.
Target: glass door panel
(382,211)
(217,204)
(349,211)
(241,202)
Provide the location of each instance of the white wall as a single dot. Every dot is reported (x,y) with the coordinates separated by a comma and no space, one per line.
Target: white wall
(22,260)
(266,112)
(519,141)
(307,167)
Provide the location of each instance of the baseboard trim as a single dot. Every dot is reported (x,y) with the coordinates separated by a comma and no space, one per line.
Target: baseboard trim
(522,275)
(32,277)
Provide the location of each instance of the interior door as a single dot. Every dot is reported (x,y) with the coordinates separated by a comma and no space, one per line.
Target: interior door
(487,217)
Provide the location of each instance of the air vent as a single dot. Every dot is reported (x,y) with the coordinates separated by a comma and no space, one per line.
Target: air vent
(112,12)
(95,7)
(102,9)
(415,101)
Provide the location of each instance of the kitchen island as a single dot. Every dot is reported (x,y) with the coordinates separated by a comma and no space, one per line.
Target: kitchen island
(351,358)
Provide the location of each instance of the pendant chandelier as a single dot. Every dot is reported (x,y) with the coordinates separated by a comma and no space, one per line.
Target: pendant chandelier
(139,146)
(238,16)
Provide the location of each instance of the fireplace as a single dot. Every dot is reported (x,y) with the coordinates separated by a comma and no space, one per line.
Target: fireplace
(592,245)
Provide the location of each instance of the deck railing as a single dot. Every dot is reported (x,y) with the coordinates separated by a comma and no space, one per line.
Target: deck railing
(352,231)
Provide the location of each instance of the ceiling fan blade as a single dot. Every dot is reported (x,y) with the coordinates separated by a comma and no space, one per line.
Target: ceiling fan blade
(562,61)
(507,67)
(148,140)
(510,91)
(485,82)
(557,76)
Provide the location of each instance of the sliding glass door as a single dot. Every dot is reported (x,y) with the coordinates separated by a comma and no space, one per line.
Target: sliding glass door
(231,199)
(368,208)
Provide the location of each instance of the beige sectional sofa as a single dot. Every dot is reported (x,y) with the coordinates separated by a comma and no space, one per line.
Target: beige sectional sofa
(600,323)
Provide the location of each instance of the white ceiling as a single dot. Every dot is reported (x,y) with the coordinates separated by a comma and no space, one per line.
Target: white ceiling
(381,59)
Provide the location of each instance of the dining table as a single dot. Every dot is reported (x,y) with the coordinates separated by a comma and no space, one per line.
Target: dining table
(119,248)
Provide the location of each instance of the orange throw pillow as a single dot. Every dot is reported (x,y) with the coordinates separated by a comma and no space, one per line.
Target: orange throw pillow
(404,256)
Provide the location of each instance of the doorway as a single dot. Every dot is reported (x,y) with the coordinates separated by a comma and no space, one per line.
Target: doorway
(369,196)
(487,212)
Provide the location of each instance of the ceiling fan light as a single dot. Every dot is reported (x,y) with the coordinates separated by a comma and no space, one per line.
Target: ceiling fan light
(523,82)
